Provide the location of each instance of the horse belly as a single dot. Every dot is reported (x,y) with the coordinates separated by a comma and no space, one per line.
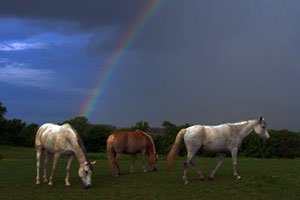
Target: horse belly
(215,147)
(132,150)
(134,146)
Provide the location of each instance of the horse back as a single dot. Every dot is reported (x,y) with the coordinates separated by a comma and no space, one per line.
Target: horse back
(54,138)
(128,142)
(209,138)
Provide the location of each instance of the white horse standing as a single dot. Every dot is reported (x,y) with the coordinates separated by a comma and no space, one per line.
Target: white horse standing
(219,139)
(58,140)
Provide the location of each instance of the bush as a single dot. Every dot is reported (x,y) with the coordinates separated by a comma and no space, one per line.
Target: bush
(95,139)
(283,144)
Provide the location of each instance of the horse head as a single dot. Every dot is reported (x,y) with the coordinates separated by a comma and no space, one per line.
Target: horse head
(153,161)
(261,130)
(85,173)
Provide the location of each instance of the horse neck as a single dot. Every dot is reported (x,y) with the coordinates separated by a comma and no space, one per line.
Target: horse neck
(81,156)
(79,152)
(150,145)
(247,128)
(151,149)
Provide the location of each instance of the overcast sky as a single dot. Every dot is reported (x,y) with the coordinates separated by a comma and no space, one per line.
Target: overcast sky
(201,62)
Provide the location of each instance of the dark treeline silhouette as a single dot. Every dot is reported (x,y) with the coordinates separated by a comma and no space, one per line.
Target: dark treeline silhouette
(283,143)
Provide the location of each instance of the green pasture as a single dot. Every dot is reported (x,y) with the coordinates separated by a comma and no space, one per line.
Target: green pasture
(261,179)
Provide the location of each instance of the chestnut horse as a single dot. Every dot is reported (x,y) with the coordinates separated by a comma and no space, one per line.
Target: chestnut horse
(130,143)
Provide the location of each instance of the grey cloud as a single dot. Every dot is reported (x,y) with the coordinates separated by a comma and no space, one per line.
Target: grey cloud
(87,13)
(22,75)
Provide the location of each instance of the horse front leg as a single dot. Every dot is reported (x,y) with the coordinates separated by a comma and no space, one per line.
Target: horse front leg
(55,160)
(221,158)
(143,162)
(234,153)
(70,158)
(39,151)
(132,164)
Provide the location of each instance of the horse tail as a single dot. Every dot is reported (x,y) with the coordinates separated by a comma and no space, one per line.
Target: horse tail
(174,150)
(110,153)
(38,131)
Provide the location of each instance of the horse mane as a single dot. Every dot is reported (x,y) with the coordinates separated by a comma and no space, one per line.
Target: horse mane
(151,140)
(79,141)
(243,122)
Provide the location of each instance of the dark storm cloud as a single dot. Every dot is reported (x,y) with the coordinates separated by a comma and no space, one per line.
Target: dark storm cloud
(88,14)
(102,19)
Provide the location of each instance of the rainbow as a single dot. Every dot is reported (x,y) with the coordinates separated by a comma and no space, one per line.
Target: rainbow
(116,57)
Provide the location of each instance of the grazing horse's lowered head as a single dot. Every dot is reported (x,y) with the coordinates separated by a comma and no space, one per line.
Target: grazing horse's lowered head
(152,160)
(85,172)
(261,130)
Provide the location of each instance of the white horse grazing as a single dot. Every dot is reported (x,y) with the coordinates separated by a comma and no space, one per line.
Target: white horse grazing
(219,139)
(58,140)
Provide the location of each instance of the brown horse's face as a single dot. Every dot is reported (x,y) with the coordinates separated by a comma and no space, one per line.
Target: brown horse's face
(153,161)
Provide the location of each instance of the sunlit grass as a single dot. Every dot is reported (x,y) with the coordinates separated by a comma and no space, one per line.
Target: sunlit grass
(261,179)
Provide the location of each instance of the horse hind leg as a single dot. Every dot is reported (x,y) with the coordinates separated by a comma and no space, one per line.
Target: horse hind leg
(220,161)
(39,151)
(117,157)
(193,163)
(46,162)
(190,159)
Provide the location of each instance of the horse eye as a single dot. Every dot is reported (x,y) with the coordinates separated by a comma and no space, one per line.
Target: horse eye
(263,127)
(86,172)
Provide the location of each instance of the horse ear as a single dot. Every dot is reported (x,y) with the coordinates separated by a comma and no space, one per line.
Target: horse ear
(93,162)
(261,118)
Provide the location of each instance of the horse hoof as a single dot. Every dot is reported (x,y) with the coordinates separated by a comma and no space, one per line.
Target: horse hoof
(238,178)
(201,178)
(144,171)
(185,182)
(50,185)
(210,178)
(45,182)
(37,185)
(68,186)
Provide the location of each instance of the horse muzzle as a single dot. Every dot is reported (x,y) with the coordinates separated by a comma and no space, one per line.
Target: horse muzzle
(267,140)
(87,187)
(154,169)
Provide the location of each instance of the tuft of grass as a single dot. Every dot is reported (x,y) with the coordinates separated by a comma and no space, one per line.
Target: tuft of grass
(261,179)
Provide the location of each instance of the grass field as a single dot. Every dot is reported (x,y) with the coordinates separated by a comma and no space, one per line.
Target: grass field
(261,179)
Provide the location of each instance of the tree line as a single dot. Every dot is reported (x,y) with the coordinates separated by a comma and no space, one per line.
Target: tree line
(283,143)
